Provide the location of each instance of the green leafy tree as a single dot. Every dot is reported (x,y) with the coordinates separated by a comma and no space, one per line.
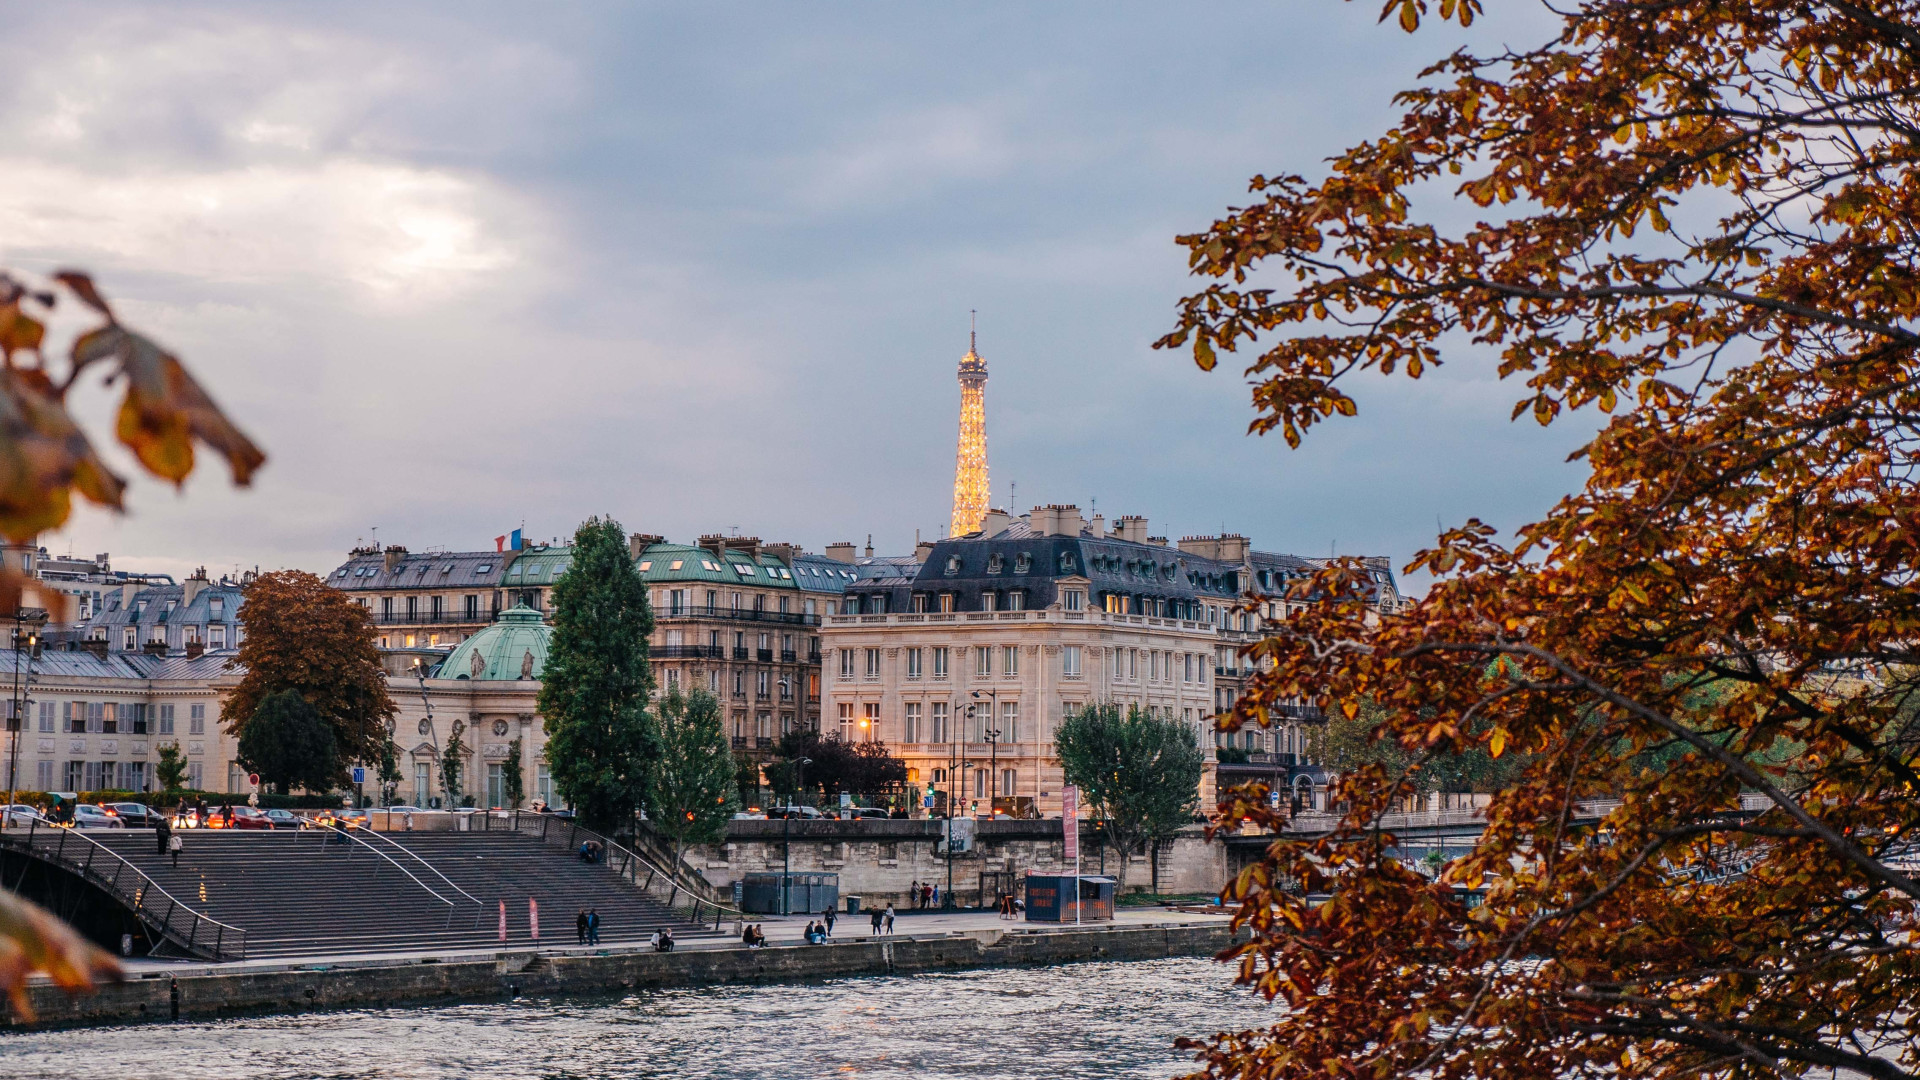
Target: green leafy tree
(601,741)
(866,769)
(289,744)
(450,766)
(171,769)
(694,790)
(510,775)
(1139,773)
(746,776)
(389,770)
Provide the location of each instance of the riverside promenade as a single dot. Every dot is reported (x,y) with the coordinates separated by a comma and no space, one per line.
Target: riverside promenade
(935,941)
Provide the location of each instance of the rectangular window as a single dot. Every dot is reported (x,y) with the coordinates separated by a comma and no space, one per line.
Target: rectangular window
(1008,783)
(1076,600)
(870,721)
(980,783)
(43,776)
(196,719)
(136,719)
(76,772)
(543,785)
(940,662)
(910,722)
(100,718)
(1153,666)
(939,732)
(739,685)
(1017,600)
(677,602)
(1010,660)
(983,660)
(127,642)
(946,602)
(1133,663)
(1009,721)
(846,663)
(75,715)
(762,683)
(913,663)
(873,663)
(1070,661)
(217,636)
(846,721)
(1186,672)
(46,716)
(473,607)
(713,682)
(166,720)
(422,783)
(986,600)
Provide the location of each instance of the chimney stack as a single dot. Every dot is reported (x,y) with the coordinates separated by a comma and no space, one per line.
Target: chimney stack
(393,556)
(1099,526)
(995,523)
(638,543)
(1131,527)
(192,587)
(841,551)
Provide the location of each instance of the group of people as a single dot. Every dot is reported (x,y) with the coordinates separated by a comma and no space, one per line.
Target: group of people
(590,851)
(818,932)
(882,920)
(753,936)
(662,941)
(166,841)
(586,926)
(923,895)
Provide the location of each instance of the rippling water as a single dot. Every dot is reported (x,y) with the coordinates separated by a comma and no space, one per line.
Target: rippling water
(1078,1020)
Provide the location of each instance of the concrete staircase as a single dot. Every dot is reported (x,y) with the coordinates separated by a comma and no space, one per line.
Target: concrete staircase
(307,894)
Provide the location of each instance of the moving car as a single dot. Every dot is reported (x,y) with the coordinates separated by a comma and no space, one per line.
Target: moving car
(286,819)
(135,815)
(89,816)
(793,812)
(247,817)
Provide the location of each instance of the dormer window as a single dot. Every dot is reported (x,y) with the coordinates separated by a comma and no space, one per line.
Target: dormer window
(953,564)
(1022,563)
(1066,562)
(995,564)
(1074,599)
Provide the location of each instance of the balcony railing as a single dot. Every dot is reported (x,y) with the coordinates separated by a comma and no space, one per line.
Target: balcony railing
(434,618)
(739,742)
(739,653)
(765,656)
(787,656)
(703,611)
(688,652)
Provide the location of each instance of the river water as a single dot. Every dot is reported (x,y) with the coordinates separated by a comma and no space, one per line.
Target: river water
(1077,1020)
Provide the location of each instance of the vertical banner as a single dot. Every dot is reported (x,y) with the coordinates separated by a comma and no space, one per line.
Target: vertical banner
(503,921)
(533,917)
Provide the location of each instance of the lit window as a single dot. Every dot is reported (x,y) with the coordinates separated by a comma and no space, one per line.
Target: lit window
(646,565)
(675,564)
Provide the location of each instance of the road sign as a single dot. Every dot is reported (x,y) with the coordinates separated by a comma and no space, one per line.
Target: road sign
(253,778)
(359,774)
(1273,798)
(846,799)
(1070,822)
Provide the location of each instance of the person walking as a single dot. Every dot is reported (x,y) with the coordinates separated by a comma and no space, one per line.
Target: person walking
(873,919)
(889,919)
(174,845)
(161,833)
(827,917)
(580,927)
(926,896)
(913,893)
(593,926)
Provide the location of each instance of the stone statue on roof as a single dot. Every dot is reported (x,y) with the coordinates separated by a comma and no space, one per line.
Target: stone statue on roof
(479,664)
(526,665)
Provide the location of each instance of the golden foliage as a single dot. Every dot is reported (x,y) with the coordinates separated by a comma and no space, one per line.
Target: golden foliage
(1698,218)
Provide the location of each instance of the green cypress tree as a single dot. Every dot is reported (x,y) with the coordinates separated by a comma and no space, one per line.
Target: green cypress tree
(695,788)
(601,741)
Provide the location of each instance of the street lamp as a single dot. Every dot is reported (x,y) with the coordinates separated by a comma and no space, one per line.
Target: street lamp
(18,722)
(786,839)
(991,735)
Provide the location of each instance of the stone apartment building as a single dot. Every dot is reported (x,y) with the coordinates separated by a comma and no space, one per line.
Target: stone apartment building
(428,599)
(967,661)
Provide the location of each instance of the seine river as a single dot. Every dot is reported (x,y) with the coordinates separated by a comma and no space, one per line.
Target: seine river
(1078,1020)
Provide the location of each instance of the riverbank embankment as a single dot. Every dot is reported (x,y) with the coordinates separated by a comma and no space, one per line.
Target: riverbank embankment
(171,992)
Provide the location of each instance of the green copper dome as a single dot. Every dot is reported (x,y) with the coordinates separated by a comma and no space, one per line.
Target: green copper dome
(514,647)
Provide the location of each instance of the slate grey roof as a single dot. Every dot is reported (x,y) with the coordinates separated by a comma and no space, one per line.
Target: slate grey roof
(423,570)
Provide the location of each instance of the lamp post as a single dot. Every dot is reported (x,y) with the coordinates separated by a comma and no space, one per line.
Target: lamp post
(786,839)
(18,721)
(991,735)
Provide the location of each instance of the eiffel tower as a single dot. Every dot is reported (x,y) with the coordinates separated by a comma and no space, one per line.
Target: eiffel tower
(970,460)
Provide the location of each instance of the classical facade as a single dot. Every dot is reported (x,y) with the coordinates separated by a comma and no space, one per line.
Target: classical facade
(89,719)
(966,661)
(429,599)
(485,695)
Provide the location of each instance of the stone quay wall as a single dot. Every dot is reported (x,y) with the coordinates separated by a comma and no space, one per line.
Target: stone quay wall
(879,859)
(213,991)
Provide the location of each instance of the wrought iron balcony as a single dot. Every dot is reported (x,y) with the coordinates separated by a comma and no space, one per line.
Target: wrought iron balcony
(705,611)
(434,618)
(688,652)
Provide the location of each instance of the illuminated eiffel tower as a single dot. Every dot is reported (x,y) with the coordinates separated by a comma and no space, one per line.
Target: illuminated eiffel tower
(970,461)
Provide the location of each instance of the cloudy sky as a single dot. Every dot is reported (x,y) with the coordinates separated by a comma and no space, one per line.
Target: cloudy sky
(461,266)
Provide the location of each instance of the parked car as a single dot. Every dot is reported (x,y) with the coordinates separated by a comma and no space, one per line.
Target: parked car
(405,810)
(135,815)
(286,819)
(852,813)
(793,812)
(247,817)
(749,815)
(89,816)
(22,814)
(356,819)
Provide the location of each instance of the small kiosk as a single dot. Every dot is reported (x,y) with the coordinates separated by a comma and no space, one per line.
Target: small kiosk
(1050,898)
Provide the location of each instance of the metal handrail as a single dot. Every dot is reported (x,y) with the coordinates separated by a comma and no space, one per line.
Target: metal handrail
(145,895)
(348,833)
(629,863)
(416,857)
